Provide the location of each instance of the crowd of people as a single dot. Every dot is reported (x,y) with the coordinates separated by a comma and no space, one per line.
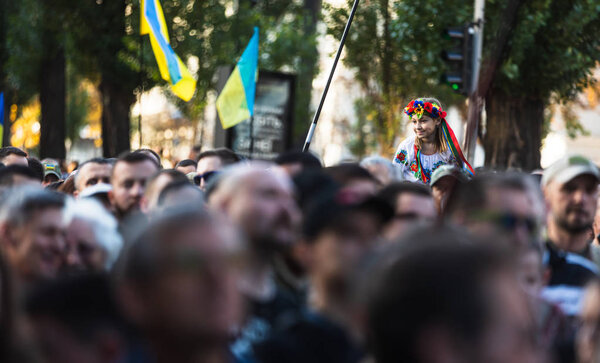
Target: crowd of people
(224,259)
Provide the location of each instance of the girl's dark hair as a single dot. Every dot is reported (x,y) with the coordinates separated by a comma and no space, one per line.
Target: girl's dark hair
(440,144)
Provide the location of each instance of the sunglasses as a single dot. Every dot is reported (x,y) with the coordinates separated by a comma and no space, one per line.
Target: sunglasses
(206,176)
(507,221)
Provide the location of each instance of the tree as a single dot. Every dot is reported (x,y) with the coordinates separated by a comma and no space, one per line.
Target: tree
(52,79)
(36,63)
(3,58)
(550,54)
(553,52)
(107,49)
(394,48)
(99,40)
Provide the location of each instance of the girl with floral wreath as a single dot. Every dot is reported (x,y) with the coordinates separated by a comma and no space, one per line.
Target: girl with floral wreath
(433,144)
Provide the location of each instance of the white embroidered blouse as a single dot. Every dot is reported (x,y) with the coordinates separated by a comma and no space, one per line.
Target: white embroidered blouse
(405,158)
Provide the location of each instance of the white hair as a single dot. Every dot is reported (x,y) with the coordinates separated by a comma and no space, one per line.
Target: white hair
(103,224)
(18,204)
(394,171)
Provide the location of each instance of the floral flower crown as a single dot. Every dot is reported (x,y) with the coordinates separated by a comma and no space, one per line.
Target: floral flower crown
(418,106)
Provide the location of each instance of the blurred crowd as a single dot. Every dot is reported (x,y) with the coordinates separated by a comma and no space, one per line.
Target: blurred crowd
(223,259)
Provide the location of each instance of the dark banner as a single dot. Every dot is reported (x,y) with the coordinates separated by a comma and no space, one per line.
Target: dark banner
(273,119)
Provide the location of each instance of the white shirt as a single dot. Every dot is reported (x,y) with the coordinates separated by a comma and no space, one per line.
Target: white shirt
(405,158)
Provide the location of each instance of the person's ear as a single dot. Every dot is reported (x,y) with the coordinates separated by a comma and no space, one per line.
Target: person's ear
(111,197)
(144,204)
(8,236)
(132,302)
(546,276)
(546,193)
(302,252)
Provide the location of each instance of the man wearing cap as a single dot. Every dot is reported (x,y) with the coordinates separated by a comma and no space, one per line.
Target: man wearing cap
(443,182)
(51,172)
(570,189)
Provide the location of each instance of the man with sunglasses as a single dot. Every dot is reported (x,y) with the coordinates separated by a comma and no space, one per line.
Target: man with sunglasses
(210,163)
(506,207)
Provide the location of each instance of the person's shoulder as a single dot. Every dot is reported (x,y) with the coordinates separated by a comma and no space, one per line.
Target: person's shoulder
(302,341)
(408,142)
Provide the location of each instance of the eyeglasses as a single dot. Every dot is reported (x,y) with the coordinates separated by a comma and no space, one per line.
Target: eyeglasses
(206,176)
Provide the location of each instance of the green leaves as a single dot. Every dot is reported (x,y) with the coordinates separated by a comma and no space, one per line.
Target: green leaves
(395,47)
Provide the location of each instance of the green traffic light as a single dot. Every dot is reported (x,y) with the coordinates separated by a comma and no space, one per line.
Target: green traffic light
(455,87)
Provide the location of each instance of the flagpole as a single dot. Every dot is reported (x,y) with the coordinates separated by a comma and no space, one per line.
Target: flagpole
(141,87)
(251,149)
(313,126)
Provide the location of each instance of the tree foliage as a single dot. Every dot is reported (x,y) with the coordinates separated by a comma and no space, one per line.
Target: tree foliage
(395,49)
(101,42)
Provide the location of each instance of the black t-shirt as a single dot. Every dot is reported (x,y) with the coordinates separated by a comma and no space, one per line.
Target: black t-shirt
(311,338)
(264,317)
(570,273)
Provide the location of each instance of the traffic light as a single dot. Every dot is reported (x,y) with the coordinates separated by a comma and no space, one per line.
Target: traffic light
(459,59)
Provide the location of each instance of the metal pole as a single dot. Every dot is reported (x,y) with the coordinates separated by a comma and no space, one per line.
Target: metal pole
(475,99)
(141,88)
(313,126)
(477,42)
(251,148)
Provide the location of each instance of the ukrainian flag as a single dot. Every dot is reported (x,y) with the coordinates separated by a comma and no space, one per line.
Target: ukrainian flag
(171,67)
(236,101)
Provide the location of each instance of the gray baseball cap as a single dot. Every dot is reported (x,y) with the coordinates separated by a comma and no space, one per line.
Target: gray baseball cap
(448,170)
(100,188)
(569,167)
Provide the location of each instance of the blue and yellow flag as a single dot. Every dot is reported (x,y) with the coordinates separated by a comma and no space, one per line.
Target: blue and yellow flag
(170,66)
(1,117)
(236,101)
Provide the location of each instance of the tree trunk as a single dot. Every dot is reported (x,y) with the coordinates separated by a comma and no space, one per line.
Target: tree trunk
(513,133)
(116,103)
(3,58)
(52,100)
(306,74)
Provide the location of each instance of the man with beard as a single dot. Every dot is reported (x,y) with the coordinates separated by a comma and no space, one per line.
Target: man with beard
(570,189)
(338,234)
(128,179)
(258,198)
